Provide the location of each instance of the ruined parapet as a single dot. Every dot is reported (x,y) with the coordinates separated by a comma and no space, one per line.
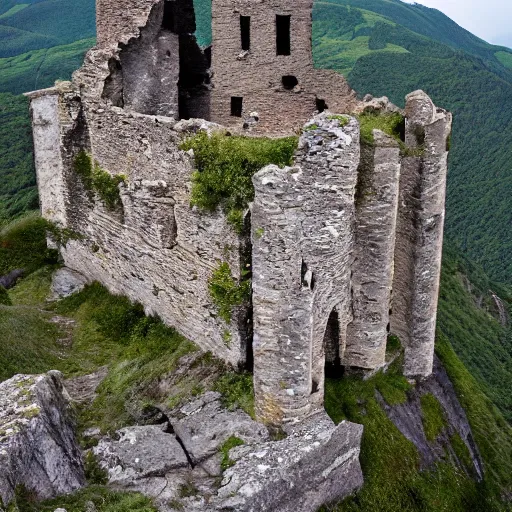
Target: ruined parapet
(372,270)
(117,21)
(419,237)
(302,235)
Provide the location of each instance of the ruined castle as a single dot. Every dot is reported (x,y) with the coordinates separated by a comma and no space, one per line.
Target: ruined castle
(344,246)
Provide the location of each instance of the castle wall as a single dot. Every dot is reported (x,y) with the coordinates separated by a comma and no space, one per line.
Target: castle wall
(372,271)
(155,249)
(419,238)
(47,157)
(302,237)
(256,75)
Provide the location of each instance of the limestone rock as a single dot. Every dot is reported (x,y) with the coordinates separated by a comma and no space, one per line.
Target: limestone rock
(66,282)
(316,464)
(136,453)
(204,425)
(38,448)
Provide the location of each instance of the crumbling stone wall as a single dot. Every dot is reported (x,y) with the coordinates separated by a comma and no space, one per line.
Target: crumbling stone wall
(372,271)
(153,248)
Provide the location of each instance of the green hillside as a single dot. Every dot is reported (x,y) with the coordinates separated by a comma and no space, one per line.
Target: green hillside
(383,49)
(44,24)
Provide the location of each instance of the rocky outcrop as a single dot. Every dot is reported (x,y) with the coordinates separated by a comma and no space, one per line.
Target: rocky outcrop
(66,282)
(317,463)
(408,419)
(185,463)
(10,279)
(38,448)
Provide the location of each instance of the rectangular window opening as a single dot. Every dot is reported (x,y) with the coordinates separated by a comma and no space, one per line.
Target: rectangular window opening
(283,35)
(245,32)
(236,106)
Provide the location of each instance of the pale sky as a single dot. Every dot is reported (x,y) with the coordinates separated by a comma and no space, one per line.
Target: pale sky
(489,19)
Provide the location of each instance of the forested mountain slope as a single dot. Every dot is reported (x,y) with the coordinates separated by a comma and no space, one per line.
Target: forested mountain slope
(391,48)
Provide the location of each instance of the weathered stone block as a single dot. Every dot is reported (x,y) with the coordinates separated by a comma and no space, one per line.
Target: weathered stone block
(38,448)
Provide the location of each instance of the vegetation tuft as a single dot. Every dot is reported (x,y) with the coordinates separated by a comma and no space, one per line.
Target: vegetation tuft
(237,390)
(230,443)
(23,244)
(432,416)
(97,180)
(225,165)
(103,499)
(226,292)
(391,123)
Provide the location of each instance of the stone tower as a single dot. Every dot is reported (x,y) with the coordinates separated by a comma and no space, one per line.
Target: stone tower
(262,66)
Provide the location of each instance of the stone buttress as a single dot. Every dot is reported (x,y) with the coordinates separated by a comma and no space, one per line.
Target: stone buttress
(372,271)
(302,238)
(419,238)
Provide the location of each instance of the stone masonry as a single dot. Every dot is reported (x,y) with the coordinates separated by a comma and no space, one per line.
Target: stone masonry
(345,244)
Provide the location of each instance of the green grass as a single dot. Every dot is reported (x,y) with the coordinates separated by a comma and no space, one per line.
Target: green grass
(225,166)
(230,443)
(23,244)
(492,433)
(104,500)
(391,124)
(390,463)
(505,58)
(237,390)
(13,10)
(432,416)
(226,292)
(27,342)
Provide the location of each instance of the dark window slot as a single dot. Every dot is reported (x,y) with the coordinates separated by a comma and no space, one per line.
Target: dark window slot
(168,21)
(283,35)
(236,106)
(245,32)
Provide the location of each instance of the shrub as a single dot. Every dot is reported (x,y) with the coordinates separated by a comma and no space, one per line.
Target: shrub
(230,443)
(226,292)
(97,180)
(5,300)
(225,165)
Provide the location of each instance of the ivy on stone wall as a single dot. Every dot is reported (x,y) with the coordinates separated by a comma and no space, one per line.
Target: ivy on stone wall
(225,166)
(226,292)
(98,181)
